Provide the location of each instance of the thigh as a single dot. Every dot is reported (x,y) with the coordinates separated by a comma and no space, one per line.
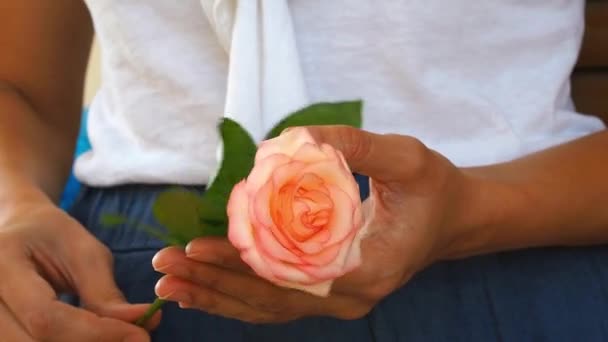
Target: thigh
(133,251)
(550,294)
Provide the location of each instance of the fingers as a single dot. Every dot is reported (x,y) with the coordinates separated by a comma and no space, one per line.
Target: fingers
(68,323)
(191,295)
(252,299)
(214,277)
(385,158)
(92,267)
(93,277)
(251,289)
(240,295)
(32,302)
(130,313)
(216,251)
(10,328)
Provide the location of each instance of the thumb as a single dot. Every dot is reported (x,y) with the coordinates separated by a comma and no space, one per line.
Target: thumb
(383,157)
(98,291)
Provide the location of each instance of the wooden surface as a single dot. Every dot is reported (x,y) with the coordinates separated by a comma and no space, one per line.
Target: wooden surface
(590,79)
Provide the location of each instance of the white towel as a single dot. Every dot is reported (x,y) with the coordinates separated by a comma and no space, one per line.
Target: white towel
(265,80)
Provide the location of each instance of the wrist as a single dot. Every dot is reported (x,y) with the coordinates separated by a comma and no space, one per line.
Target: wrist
(483,206)
(16,191)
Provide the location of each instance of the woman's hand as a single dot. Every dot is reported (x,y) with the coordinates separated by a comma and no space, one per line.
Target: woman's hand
(417,204)
(44,252)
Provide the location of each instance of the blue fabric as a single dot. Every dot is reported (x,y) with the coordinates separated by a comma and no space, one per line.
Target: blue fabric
(72,186)
(552,294)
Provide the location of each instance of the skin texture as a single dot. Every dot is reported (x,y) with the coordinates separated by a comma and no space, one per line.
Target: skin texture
(422,209)
(43,251)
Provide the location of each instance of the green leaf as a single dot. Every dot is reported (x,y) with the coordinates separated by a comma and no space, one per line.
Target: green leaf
(186,215)
(112,220)
(115,220)
(338,113)
(219,230)
(178,211)
(238,156)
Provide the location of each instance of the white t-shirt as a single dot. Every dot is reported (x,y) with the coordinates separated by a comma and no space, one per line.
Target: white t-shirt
(480,82)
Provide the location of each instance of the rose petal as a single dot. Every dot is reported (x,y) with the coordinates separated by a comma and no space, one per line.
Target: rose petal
(312,211)
(331,173)
(288,272)
(253,258)
(281,208)
(287,173)
(354,257)
(297,229)
(240,231)
(335,154)
(320,289)
(259,205)
(310,153)
(350,252)
(282,217)
(316,200)
(326,256)
(287,143)
(262,171)
(337,268)
(268,242)
(310,199)
(340,224)
(358,219)
(260,212)
(309,181)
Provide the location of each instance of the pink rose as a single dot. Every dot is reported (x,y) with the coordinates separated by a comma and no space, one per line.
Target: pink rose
(297,218)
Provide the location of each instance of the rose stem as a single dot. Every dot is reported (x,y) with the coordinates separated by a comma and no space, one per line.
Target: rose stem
(156,305)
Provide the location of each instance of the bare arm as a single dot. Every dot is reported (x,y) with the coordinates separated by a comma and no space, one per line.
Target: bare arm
(558,196)
(45,48)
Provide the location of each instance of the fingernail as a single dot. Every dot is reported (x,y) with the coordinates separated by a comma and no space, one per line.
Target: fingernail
(184,305)
(188,248)
(191,251)
(161,268)
(178,297)
(206,257)
(155,262)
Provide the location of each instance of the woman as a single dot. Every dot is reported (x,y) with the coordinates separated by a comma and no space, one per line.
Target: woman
(485,154)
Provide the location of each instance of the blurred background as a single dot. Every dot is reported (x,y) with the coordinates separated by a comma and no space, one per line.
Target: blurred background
(92,82)
(93,75)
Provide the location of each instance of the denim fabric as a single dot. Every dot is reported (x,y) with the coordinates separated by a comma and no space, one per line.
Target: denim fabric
(551,294)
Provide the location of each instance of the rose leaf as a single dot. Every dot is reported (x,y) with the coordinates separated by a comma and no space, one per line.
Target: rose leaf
(237,161)
(177,211)
(337,113)
(113,220)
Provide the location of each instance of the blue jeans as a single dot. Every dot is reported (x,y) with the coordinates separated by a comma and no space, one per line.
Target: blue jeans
(551,294)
